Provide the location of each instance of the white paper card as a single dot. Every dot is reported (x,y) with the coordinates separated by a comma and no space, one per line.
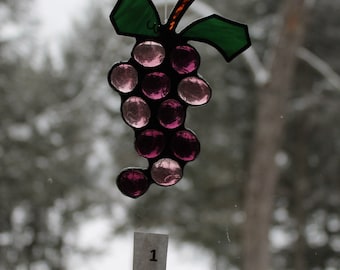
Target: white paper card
(150,251)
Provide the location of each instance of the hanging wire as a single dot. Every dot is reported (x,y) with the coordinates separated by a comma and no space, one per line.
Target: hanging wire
(166,11)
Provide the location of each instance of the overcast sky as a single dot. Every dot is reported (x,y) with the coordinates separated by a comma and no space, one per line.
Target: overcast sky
(57,15)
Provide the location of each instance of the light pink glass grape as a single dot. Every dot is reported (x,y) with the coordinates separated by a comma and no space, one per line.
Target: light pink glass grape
(166,172)
(124,78)
(149,54)
(194,91)
(136,112)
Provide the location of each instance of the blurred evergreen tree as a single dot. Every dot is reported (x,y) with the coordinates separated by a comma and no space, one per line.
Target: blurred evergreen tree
(52,120)
(48,178)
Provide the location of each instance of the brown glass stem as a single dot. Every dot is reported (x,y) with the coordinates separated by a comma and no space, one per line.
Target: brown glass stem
(176,15)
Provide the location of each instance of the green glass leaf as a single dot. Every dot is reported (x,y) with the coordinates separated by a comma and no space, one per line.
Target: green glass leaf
(228,37)
(135,18)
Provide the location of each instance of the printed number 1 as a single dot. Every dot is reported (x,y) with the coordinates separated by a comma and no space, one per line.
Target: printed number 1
(153,258)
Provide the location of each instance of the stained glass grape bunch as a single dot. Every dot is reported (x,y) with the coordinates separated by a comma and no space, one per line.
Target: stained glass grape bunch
(160,81)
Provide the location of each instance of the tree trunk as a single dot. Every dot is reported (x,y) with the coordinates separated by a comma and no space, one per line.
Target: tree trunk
(263,171)
(300,193)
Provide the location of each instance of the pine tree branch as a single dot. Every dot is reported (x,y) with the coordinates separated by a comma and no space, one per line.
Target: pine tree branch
(320,66)
(260,73)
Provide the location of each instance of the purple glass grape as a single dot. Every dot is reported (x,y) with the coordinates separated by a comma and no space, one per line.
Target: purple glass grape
(185,145)
(185,59)
(156,85)
(133,182)
(150,143)
(171,114)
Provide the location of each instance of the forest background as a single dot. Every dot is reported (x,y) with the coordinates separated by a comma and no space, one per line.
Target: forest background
(264,192)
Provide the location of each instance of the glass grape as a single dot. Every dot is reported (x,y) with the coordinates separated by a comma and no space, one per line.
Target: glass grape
(133,182)
(171,114)
(156,85)
(194,91)
(124,78)
(185,145)
(166,172)
(150,143)
(185,59)
(149,54)
(136,112)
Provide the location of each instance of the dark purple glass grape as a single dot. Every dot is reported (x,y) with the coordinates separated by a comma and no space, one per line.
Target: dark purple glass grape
(124,78)
(149,54)
(136,112)
(194,91)
(150,143)
(156,85)
(171,114)
(166,172)
(185,145)
(133,182)
(185,59)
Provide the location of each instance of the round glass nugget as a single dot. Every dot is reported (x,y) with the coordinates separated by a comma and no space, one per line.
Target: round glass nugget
(171,114)
(149,54)
(185,145)
(185,59)
(194,91)
(150,143)
(136,112)
(166,172)
(133,183)
(124,78)
(156,85)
